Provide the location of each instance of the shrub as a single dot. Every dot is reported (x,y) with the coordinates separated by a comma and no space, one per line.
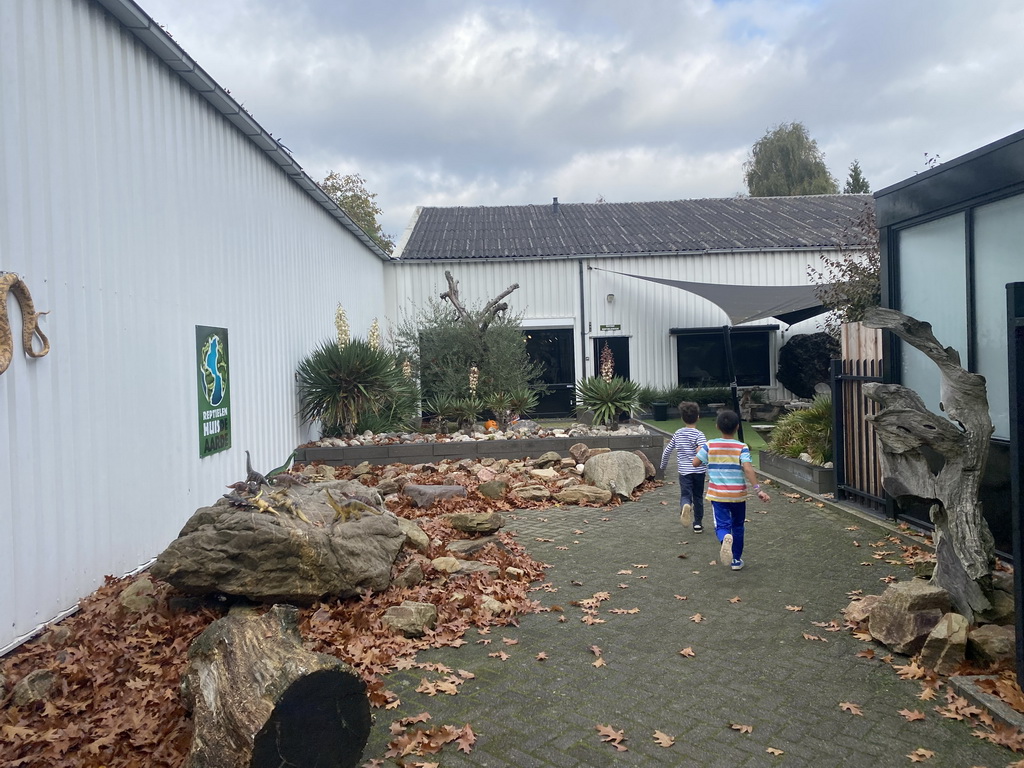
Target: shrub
(805,431)
(804,362)
(607,398)
(443,348)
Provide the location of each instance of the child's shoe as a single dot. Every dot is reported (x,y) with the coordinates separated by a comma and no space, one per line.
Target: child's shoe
(698,528)
(737,565)
(686,514)
(725,554)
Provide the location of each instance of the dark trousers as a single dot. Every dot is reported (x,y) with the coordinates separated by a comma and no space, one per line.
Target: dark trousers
(691,491)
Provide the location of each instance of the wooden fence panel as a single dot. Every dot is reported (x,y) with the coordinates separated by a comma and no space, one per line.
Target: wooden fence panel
(861,362)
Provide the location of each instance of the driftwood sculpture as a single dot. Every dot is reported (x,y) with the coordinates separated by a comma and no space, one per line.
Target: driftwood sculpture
(260,700)
(940,460)
(11,283)
(485,316)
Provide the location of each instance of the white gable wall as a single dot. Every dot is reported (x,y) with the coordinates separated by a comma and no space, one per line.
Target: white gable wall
(135,212)
(550,290)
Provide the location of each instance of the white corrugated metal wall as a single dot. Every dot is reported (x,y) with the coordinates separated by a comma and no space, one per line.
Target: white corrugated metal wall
(644,310)
(135,212)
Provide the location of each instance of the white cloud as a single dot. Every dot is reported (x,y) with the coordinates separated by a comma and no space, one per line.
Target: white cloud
(494,102)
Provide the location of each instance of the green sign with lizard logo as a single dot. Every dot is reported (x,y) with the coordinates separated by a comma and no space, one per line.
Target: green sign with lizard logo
(214,390)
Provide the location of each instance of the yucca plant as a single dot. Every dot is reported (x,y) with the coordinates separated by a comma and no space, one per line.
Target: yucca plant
(523,400)
(607,398)
(507,405)
(465,411)
(805,431)
(442,410)
(337,384)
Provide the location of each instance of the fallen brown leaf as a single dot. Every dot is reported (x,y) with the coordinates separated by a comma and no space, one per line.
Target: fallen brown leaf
(688,652)
(853,709)
(774,751)
(742,728)
(612,736)
(910,715)
(663,739)
(921,754)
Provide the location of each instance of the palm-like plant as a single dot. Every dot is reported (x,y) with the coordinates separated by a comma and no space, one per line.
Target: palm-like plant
(607,398)
(806,431)
(442,408)
(339,384)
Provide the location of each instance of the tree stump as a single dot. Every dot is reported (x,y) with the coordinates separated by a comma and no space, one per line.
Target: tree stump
(940,460)
(259,700)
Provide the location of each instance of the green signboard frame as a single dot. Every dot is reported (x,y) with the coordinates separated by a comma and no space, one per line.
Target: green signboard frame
(212,378)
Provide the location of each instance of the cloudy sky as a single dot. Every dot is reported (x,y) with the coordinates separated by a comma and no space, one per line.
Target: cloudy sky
(452,102)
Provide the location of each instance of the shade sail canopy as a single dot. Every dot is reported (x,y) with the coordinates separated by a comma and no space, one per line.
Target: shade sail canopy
(743,303)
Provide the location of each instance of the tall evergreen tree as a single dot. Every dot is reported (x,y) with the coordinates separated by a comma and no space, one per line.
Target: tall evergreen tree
(786,161)
(856,184)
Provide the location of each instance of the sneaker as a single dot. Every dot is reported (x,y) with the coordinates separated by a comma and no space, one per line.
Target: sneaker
(698,528)
(725,554)
(737,565)
(686,514)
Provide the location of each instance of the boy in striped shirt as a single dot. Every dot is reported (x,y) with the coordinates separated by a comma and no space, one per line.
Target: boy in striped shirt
(729,471)
(686,442)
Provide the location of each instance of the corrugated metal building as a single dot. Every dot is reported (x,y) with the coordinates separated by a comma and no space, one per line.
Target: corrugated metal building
(576,266)
(140,201)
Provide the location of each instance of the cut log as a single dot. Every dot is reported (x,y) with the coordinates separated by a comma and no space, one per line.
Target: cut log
(940,460)
(259,700)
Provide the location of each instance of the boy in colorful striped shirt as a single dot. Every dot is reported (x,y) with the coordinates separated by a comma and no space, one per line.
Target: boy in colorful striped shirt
(729,471)
(686,442)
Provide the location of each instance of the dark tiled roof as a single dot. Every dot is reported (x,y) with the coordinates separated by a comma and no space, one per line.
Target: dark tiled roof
(676,226)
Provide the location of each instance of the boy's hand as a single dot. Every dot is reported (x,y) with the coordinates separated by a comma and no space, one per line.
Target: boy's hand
(763,496)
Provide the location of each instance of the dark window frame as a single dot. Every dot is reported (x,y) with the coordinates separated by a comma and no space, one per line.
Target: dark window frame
(750,372)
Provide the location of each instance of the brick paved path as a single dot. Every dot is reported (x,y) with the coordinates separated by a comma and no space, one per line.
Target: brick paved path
(752,665)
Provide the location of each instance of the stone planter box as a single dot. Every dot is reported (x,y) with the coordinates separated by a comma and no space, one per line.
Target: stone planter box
(425,453)
(809,477)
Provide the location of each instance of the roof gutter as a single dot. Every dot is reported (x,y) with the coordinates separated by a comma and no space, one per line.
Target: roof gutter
(149,33)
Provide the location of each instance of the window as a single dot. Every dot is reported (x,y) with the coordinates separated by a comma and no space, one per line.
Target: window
(933,288)
(998,251)
(701,355)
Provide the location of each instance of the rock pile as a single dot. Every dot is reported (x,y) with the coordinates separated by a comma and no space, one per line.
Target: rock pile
(318,536)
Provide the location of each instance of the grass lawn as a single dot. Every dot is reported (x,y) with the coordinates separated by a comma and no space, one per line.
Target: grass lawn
(707,426)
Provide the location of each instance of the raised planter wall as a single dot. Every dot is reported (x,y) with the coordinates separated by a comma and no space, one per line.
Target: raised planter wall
(809,477)
(425,453)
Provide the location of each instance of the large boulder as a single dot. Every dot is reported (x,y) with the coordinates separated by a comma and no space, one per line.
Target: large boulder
(649,467)
(906,613)
(584,494)
(946,645)
(493,489)
(532,493)
(617,471)
(476,522)
(411,618)
(36,686)
(312,542)
(424,496)
(991,643)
